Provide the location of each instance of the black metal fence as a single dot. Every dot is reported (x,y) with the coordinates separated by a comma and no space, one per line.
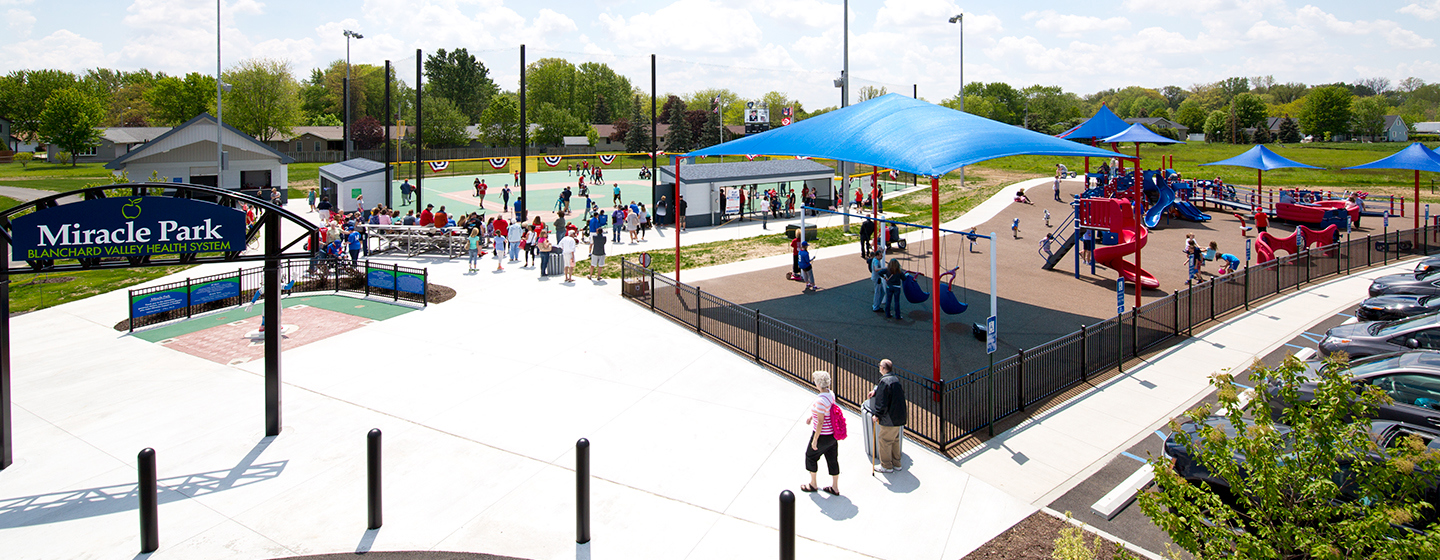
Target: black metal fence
(193,296)
(943,413)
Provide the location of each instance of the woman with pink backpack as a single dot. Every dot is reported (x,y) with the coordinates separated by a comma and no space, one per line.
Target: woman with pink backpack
(827,423)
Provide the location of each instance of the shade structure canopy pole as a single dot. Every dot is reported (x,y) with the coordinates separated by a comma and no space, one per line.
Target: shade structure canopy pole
(935,278)
(1417,199)
(678,220)
(1139,223)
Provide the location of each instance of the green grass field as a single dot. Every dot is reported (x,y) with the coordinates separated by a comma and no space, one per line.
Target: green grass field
(33,292)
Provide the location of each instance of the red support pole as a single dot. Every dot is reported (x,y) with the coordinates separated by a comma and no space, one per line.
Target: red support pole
(1417,199)
(935,278)
(678,220)
(875,192)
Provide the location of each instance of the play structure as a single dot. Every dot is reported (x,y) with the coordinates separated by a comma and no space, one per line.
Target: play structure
(1117,216)
(1267,244)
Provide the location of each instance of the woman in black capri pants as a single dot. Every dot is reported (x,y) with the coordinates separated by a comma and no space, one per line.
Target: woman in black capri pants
(822,438)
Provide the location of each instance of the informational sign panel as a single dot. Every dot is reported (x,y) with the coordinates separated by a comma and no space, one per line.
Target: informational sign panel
(128,227)
(215,290)
(1247,249)
(157,302)
(732,200)
(1387,218)
(990,335)
(1119,295)
(389,279)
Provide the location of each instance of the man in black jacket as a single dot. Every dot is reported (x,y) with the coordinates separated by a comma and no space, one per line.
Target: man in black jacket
(887,403)
(867,231)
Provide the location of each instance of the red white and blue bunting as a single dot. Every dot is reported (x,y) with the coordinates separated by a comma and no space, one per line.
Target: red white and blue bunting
(438,166)
(750,157)
(802,157)
(499,162)
(894,174)
(607,158)
(552,161)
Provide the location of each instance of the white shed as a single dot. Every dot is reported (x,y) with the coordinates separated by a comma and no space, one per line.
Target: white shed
(343,182)
(186,154)
(704,185)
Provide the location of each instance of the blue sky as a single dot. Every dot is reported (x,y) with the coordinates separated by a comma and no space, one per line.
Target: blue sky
(755,46)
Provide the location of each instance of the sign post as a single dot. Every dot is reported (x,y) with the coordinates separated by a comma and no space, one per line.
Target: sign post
(1120,323)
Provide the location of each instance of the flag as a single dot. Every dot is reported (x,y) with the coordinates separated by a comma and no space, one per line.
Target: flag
(552,161)
(499,162)
(607,158)
(438,166)
(750,157)
(716,103)
(894,174)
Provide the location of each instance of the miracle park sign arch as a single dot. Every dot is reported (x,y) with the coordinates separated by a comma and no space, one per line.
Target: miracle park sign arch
(139,225)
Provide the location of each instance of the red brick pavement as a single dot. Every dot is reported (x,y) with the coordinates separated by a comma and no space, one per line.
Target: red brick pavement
(241,341)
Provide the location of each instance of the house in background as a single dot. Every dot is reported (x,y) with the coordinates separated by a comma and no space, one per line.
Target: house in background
(1157,123)
(186,154)
(9,141)
(1430,127)
(1395,130)
(120,140)
(606,145)
(310,139)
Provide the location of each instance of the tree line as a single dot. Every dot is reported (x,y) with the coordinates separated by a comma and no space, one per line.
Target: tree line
(565,99)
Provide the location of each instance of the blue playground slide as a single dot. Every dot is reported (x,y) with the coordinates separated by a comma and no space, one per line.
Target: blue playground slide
(1190,212)
(1167,199)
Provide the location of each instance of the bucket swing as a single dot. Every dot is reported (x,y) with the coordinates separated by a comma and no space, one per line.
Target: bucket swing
(913,292)
(948,302)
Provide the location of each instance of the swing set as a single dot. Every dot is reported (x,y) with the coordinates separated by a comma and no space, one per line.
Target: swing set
(914,292)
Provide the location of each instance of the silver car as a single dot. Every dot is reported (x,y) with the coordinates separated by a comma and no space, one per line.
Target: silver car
(1383,337)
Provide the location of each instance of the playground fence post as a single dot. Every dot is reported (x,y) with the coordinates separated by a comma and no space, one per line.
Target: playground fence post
(757,336)
(652,290)
(1020,381)
(1135,328)
(697,310)
(1120,342)
(1212,298)
(1084,334)
(1175,304)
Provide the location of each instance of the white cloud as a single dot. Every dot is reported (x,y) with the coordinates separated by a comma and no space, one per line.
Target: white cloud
(62,49)
(20,21)
(808,13)
(1069,25)
(1393,34)
(16,2)
(1426,10)
(677,26)
(1171,7)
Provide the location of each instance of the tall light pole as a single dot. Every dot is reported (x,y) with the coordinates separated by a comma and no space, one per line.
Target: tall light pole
(219,86)
(960,19)
(346,129)
(844,85)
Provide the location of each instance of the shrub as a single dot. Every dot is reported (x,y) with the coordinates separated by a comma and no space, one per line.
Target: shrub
(24,158)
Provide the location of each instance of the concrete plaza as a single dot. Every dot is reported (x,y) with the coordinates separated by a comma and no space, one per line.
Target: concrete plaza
(481,400)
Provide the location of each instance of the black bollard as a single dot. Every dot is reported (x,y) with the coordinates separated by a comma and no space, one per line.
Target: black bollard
(372,482)
(787,525)
(149,503)
(582,491)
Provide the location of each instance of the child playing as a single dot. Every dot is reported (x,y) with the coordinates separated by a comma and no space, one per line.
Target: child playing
(1015,228)
(1047,217)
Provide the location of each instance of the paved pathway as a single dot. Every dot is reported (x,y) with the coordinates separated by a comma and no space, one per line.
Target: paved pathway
(481,400)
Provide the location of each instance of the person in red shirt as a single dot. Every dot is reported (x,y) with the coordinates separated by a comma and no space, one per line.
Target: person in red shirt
(426,216)
(859,198)
(1262,220)
(441,219)
(499,238)
(482,188)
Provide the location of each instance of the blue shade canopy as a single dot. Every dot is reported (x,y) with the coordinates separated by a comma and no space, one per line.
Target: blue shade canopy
(1415,156)
(902,133)
(1103,125)
(1138,133)
(1261,158)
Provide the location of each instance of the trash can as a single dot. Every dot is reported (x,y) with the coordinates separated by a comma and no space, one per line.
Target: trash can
(555,262)
(792,228)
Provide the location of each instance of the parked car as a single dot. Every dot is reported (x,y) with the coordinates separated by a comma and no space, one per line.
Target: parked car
(1412,379)
(1425,283)
(1427,264)
(1386,434)
(1394,308)
(1383,337)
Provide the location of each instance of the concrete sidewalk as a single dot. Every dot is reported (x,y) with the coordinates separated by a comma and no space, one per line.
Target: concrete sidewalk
(1051,453)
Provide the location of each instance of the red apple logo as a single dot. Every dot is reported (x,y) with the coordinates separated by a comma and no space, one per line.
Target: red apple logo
(131,210)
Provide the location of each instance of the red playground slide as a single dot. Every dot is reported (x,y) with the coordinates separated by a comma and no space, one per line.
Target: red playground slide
(1267,244)
(1121,219)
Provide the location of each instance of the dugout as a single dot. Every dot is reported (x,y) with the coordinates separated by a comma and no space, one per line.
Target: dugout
(705,185)
(343,181)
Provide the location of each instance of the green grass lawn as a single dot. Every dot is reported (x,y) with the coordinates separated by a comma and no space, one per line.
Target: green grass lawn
(7,203)
(38,169)
(33,292)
